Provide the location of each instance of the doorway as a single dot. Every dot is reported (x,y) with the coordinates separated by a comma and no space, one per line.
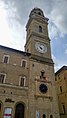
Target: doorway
(19,112)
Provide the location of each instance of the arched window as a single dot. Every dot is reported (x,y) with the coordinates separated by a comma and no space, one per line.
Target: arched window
(51,116)
(39,13)
(44,116)
(40,29)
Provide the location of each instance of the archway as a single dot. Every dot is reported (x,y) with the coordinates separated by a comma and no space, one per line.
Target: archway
(19,112)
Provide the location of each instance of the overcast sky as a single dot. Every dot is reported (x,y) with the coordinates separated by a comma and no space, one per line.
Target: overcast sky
(14,15)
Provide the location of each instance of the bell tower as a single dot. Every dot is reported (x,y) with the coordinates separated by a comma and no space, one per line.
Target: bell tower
(37,40)
(42,91)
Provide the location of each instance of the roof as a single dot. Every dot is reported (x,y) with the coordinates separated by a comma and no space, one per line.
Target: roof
(61,69)
(15,50)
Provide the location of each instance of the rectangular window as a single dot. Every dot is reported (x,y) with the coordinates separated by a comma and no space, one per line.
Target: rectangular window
(2,77)
(58,76)
(6,59)
(64,109)
(23,63)
(22,80)
(61,89)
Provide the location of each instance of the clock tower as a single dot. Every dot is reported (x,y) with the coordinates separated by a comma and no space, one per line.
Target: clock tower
(42,91)
(37,40)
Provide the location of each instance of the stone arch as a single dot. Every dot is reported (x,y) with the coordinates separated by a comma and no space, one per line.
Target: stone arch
(19,110)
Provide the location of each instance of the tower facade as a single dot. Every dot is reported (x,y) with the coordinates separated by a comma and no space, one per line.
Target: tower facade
(42,92)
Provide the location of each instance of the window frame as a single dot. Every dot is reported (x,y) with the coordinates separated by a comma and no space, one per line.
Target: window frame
(7,59)
(61,89)
(22,63)
(4,77)
(24,83)
(40,29)
(58,76)
(64,110)
(39,13)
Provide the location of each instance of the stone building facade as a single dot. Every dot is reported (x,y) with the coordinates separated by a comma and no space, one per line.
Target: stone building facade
(61,86)
(27,80)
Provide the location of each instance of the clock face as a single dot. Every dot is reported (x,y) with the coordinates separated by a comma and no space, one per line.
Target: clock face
(43,88)
(42,48)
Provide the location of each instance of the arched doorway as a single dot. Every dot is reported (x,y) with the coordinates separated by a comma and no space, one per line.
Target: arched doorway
(19,112)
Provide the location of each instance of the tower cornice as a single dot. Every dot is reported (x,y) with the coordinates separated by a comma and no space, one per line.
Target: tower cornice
(37,18)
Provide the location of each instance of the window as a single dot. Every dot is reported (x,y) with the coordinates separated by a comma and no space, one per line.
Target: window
(2,77)
(23,63)
(61,89)
(39,13)
(40,29)
(22,80)
(42,73)
(58,76)
(44,116)
(63,108)
(6,59)
(64,77)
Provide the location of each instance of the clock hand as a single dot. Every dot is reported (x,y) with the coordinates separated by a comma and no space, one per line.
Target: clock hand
(40,47)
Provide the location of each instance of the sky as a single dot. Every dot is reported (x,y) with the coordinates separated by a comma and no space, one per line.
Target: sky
(14,15)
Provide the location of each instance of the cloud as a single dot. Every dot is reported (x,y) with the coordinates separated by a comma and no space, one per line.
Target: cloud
(65,46)
(66,51)
(58,16)
(53,31)
(17,14)
(58,63)
(56,10)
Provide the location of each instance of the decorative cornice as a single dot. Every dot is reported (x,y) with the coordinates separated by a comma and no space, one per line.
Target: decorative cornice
(42,59)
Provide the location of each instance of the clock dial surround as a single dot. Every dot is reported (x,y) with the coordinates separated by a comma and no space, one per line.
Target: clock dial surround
(43,88)
(42,48)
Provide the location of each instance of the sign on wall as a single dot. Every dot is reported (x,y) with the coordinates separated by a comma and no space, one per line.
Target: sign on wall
(7,112)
